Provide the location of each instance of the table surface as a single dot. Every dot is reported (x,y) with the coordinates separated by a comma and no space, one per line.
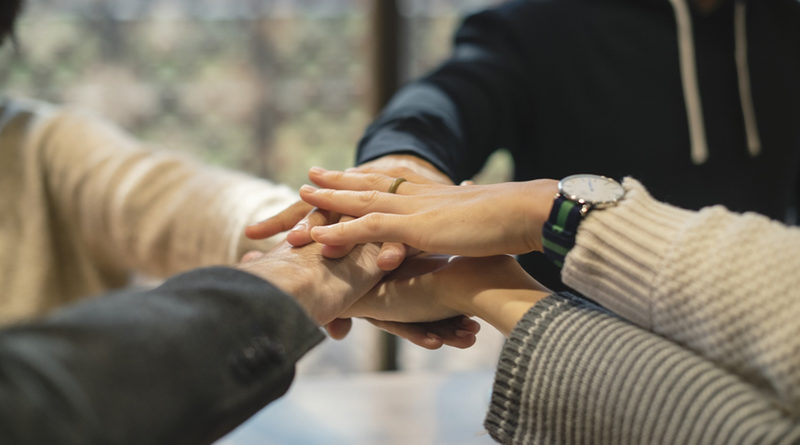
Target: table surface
(375,409)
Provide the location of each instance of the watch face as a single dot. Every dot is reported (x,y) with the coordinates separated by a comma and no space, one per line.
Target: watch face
(591,189)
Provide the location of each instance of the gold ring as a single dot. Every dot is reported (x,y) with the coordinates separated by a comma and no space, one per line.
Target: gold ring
(396,184)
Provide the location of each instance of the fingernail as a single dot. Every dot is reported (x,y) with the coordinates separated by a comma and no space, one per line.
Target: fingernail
(316,170)
(463,333)
(469,324)
(390,257)
(300,227)
(433,336)
(307,189)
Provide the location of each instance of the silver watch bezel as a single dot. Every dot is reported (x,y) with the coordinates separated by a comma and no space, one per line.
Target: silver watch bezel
(588,204)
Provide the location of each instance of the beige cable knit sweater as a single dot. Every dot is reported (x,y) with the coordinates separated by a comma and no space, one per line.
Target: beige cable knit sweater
(724,285)
(84,206)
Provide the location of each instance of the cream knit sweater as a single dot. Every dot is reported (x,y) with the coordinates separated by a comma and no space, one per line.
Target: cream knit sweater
(84,206)
(724,285)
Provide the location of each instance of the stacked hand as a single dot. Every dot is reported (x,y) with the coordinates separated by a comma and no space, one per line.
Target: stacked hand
(473,220)
(327,288)
(423,300)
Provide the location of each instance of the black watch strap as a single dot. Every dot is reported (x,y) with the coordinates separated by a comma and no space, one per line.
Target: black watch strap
(558,234)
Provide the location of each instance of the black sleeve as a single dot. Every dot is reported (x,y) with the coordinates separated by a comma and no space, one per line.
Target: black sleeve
(183,363)
(475,103)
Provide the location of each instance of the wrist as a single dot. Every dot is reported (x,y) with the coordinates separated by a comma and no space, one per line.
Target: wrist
(506,292)
(285,276)
(503,308)
(537,201)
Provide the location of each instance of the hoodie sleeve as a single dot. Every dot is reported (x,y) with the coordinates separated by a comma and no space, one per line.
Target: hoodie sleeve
(459,114)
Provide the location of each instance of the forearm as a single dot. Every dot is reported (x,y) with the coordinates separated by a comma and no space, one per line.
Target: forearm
(475,103)
(723,284)
(166,212)
(183,363)
(501,295)
(573,373)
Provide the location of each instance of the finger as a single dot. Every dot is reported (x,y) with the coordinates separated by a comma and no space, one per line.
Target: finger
(337,251)
(408,162)
(300,235)
(339,328)
(396,172)
(413,332)
(281,222)
(469,324)
(375,227)
(454,332)
(355,203)
(391,256)
(354,180)
(251,256)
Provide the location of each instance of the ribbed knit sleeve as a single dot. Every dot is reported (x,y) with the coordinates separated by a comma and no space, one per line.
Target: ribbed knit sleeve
(725,285)
(571,372)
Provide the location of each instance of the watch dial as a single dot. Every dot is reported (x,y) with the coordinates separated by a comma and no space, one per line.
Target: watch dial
(591,189)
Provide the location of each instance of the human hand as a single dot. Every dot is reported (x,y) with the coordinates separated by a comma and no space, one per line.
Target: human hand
(432,287)
(300,218)
(325,288)
(473,220)
(457,332)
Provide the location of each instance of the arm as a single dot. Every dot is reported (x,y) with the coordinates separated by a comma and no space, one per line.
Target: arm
(183,363)
(168,213)
(475,103)
(725,285)
(434,287)
(573,373)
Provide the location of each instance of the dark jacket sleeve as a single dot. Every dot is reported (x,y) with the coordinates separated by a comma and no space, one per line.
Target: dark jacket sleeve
(475,103)
(183,363)
(571,372)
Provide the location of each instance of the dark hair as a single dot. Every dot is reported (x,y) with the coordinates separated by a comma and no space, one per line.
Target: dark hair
(8,14)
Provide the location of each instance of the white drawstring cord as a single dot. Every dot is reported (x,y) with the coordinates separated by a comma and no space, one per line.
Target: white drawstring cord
(691,92)
(743,74)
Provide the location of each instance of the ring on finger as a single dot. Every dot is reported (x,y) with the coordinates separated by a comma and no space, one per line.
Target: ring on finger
(395,184)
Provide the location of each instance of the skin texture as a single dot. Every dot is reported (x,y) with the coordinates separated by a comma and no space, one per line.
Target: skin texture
(300,218)
(326,288)
(473,220)
(429,287)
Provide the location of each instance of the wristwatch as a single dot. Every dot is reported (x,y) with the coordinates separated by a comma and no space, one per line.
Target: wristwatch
(577,195)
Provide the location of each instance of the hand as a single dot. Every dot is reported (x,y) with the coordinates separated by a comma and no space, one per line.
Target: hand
(474,220)
(325,288)
(457,332)
(300,218)
(432,287)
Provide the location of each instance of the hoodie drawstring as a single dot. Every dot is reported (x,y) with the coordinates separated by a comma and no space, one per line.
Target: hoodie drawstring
(691,91)
(743,74)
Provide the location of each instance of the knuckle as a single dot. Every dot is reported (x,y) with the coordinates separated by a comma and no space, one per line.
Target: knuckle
(374,222)
(368,197)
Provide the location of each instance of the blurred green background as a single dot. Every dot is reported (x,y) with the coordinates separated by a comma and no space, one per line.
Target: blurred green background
(266,86)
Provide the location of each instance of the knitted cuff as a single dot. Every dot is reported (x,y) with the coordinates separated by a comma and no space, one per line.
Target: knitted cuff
(618,252)
(505,413)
